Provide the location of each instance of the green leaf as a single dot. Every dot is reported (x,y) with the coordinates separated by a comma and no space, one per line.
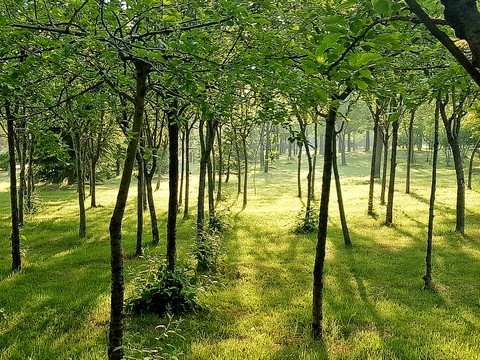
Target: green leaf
(382,6)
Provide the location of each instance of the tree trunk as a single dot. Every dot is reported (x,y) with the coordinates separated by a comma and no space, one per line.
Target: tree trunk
(210,188)
(378,148)
(151,204)
(393,164)
(268,147)
(140,196)
(220,163)
(245,170)
(93,189)
(343,218)
(367,141)
(317,308)
(315,155)
(262,146)
(385,163)
(15,236)
(470,164)
(82,227)
(182,172)
(410,151)
(344,157)
(187,171)
(372,166)
(115,347)
(349,143)
(30,179)
(239,164)
(173,192)
(452,137)
(299,169)
(428,259)
(22,155)
(206,143)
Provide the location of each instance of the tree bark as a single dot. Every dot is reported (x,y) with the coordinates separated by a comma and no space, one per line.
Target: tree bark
(393,164)
(299,169)
(187,170)
(452,129)
(173,192)
(140,196)
(317,312)
(115,348)
(245,170)
(378,149)
(385,163)
(15,236)
(372,166)
(343,218)
(470,164)
(182,172)
(428,259)
(30,179)
(367,141)
(82,227)
(410,151)
(220,163)
(317,309)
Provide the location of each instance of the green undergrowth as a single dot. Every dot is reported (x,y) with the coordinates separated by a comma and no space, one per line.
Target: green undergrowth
(57,306)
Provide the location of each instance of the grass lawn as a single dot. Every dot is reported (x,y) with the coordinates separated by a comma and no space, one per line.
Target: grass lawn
(57,306)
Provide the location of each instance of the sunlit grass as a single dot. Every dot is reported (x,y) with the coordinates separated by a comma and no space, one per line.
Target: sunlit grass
(57,307)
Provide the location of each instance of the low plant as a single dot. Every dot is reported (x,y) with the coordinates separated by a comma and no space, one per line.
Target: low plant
(306,222)
(208,251)
(162,291)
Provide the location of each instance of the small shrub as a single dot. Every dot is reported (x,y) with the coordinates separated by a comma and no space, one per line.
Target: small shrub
(307,222)
(208,251)
(165,292)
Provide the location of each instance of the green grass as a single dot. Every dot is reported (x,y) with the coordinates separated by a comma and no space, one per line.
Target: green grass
(375,307)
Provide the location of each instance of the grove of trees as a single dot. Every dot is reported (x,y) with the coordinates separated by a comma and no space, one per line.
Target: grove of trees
(99,88)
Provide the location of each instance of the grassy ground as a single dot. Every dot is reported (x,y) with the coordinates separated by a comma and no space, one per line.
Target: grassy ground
(375,307)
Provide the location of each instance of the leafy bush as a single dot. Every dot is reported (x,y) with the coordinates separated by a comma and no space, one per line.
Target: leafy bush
(306,222)
(165,292)
(208,251)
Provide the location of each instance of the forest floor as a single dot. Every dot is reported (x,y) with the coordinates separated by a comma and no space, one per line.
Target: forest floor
(57,306)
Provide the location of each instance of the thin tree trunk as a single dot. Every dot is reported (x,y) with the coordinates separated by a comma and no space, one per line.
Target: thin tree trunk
(115,344)
(315,155)
(393,164)
(268,147)
(15,236)
(410,151)
(30,180)
(220,163)
(344,157)
(82,227)
(182,172)
(93,188)
(22,154)
(372,167)
(428,259)
(140,196)
(299,169)
(343,218)
(385,163)
(173,193)
(239,164)
(317,308)
(187,171)
(151,205)
(210,188)
(378,157)
(245,170)
(470,164)
(367,141)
